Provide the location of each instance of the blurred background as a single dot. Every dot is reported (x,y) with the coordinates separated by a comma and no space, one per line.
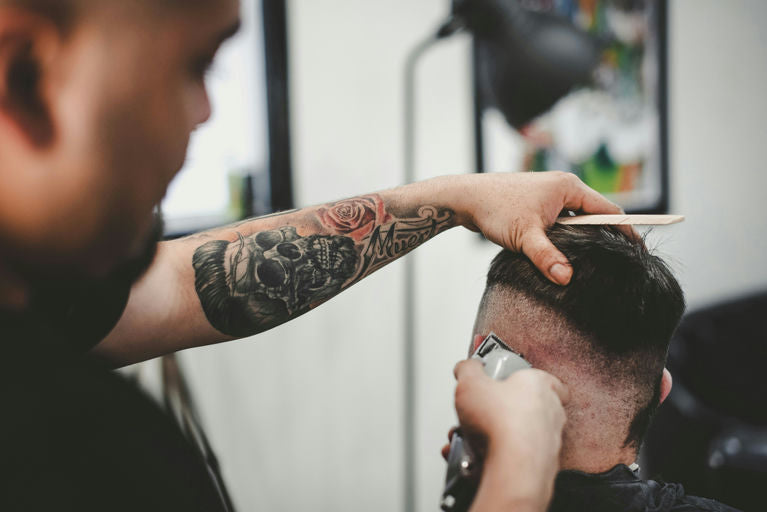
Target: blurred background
(311,415)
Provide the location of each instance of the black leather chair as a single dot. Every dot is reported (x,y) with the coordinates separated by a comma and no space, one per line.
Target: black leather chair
(711,434)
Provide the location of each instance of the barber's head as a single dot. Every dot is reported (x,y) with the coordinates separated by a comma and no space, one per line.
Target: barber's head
(605,335)
(97,102)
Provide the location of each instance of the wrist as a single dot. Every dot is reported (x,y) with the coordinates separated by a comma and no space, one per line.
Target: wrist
(514,477)
(455,192)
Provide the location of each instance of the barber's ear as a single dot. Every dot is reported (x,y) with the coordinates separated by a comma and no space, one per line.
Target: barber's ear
(665,384)
(28,45)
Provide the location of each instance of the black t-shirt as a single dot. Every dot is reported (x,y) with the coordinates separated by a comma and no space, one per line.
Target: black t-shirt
(619,489)
(76,436)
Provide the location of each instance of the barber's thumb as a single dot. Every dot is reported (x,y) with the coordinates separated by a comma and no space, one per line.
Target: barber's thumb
(561,390)
(552,263)
(467,368)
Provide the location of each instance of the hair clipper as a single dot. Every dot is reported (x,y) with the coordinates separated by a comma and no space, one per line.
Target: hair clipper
(464,465)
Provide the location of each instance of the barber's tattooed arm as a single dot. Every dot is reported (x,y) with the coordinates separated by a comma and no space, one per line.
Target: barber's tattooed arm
(254,280)
(239,280)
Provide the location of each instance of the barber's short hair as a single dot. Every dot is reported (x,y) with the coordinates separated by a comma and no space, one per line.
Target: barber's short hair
(66,13)
(622,298)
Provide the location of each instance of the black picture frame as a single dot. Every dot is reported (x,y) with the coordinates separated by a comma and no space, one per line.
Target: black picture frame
(661,205)
(273,191)
(278,104)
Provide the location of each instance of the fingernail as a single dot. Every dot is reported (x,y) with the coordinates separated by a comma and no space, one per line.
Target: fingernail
(560,272)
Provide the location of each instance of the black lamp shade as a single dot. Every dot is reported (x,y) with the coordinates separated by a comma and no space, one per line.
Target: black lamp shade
(526,60)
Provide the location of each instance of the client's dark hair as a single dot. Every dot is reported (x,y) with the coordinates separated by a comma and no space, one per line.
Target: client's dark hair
(623,299)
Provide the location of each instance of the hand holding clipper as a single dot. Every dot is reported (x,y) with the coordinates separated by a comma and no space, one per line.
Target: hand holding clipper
(464,465)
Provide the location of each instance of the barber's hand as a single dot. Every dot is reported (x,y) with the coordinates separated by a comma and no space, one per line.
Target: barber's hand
(514,209)
(527,407)
(520,420)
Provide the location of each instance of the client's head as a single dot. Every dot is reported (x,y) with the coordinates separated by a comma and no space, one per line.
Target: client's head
(605,335)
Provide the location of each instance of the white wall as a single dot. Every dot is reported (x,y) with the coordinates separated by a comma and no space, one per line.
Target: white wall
(718,135)
(235,138)
(309,415)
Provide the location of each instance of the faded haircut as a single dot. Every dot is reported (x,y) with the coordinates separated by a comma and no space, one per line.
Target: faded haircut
(622,299)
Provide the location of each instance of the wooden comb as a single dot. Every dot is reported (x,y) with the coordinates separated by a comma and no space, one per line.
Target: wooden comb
(621,220)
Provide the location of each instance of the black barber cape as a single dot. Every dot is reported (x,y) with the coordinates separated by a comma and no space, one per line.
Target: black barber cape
(75,436)
(619,489)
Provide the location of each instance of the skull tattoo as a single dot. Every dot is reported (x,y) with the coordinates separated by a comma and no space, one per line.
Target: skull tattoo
(259,281)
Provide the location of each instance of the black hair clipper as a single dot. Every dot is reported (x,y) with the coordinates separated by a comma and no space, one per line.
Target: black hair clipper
(464,465)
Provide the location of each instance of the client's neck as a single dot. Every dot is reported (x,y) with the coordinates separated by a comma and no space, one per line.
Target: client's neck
(591,443)
(593,454)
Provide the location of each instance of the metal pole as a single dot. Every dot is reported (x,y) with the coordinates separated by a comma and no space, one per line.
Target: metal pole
(409,353)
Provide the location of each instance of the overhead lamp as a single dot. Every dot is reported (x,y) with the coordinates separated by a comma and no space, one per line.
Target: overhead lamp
(526,60)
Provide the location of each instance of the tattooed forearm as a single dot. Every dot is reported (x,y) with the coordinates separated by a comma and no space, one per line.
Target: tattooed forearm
(259,281)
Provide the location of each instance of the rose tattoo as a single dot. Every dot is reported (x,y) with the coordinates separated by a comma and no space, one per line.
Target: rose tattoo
(355,217)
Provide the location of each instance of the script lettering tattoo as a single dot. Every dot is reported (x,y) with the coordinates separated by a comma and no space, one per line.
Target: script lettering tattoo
(259,281)
(387,243)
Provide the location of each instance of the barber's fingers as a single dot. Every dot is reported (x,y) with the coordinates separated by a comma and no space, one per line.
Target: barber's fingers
(583,198)
(587,200)
(535,381)
(468,368)
(629,231)
(471,368)
(549,260)
(560,389)
(446,448)
(537,246)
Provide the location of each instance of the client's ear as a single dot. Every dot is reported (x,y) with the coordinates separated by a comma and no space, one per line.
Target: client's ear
(475,342)
(28,43)
(665,384)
